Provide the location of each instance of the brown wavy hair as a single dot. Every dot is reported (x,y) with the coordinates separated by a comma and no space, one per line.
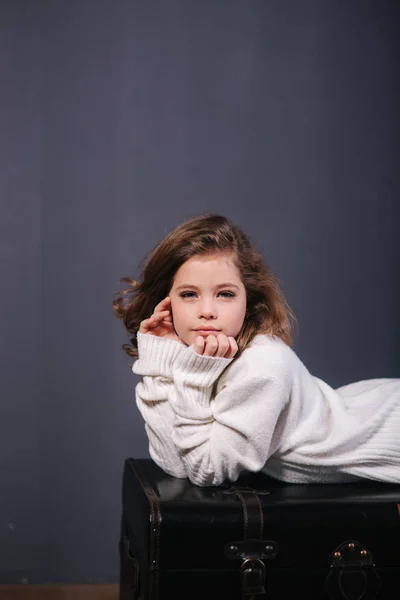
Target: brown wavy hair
(267,309)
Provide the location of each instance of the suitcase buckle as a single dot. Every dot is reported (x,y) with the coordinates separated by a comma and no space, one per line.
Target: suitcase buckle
(352,574)
(254,549)
(252,573)
(252,570)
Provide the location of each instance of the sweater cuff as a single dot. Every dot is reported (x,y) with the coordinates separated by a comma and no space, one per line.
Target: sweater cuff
(156,355)
(197,370)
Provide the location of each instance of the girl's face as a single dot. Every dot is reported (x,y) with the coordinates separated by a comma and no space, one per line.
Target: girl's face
(208,297)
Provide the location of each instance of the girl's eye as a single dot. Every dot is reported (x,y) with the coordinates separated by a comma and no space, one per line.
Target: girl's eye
(224,294)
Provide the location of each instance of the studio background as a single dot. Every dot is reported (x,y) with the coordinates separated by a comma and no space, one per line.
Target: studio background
(119,120)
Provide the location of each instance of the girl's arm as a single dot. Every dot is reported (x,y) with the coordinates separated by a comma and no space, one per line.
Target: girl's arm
(219,437)
(154,365)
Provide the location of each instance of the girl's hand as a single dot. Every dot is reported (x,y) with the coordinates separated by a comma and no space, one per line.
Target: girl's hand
(160,323)
(220,345)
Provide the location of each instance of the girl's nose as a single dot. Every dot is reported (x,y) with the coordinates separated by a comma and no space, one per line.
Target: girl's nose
(208,311)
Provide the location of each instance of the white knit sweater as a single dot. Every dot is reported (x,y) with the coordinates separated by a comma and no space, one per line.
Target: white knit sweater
(209,419)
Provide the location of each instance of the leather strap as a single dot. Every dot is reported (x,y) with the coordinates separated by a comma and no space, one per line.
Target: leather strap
(253,529)
(253,517)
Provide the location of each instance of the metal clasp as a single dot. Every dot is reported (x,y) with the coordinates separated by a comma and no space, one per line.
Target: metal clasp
(352,574)
(252,573)
(252,570)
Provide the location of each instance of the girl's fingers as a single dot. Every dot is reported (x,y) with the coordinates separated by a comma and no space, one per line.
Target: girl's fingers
(152,321)
(233,348)
(160,315)
(168,317)
(199,344)
(220,346)
(223,345)
(156,319)
(163,305)
(211,346)
(227,346)
(144,326)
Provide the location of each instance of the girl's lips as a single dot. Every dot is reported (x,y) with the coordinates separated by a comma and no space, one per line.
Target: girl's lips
(207,331)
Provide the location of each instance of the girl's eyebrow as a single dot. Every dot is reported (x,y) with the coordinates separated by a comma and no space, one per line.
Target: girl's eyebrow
(194,287)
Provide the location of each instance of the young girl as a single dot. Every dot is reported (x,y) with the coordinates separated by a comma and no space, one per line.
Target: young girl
(221,389)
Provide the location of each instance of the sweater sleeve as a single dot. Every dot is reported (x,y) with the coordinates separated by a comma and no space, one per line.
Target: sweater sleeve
(156,355)
(154,365)
(219,437)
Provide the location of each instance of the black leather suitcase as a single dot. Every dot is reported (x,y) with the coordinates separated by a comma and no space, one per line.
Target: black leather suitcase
(257,539)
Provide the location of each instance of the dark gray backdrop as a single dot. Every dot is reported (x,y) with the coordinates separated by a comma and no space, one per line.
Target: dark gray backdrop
(118,121)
